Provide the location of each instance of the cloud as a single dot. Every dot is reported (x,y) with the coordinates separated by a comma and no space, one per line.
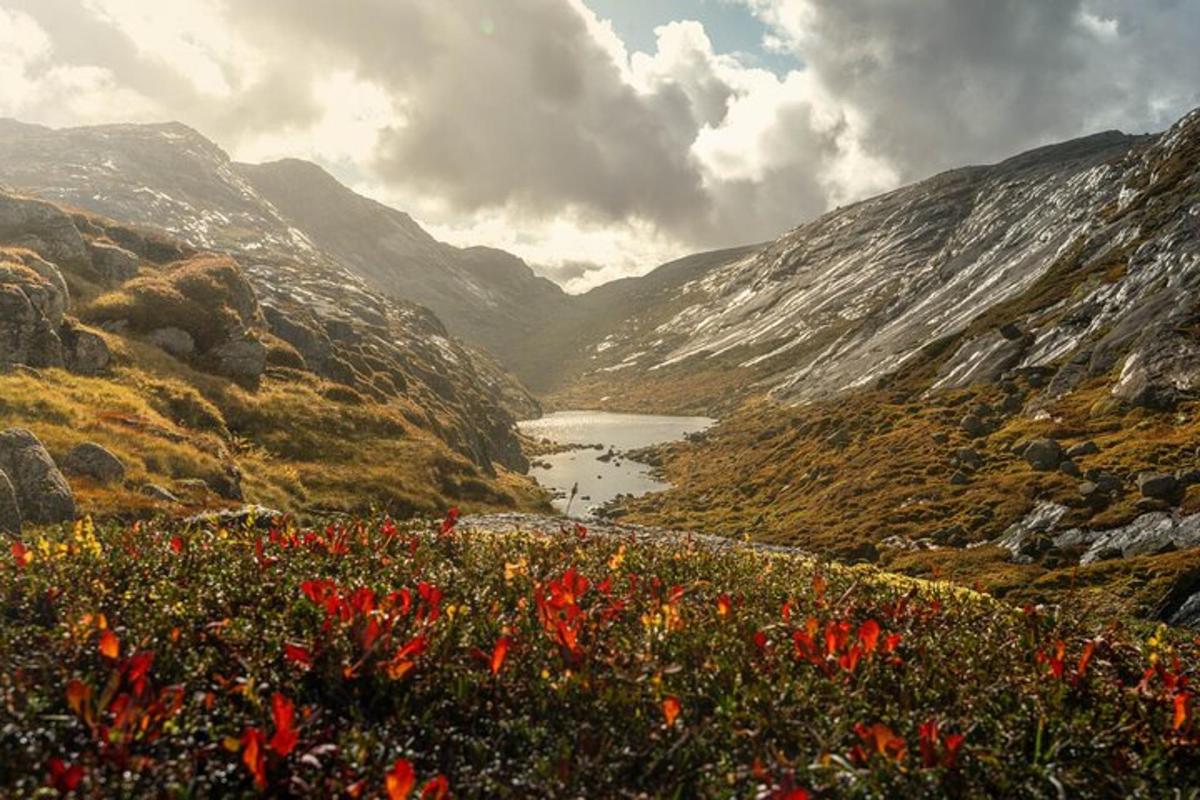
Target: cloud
(939,83)
(530,126)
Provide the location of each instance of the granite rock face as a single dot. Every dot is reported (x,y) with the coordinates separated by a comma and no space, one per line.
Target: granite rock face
(42,493)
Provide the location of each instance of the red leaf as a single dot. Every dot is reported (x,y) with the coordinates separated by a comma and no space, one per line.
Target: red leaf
(500,653)
(436,789)
(1183,711)
(253,756)
(953,744)
(284,714)
(868,635)
(177,544)
(1085,658)
(450,521)
(400,780)
(21,555)
(298,654)
(110,645)
(670,709)
(64,777)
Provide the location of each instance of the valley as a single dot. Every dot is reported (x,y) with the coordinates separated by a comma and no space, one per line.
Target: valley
(879,373)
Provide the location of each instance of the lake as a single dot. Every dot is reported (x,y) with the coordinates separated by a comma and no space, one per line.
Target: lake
(601,477)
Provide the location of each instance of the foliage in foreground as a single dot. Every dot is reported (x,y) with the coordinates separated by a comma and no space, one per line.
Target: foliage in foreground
(368,660)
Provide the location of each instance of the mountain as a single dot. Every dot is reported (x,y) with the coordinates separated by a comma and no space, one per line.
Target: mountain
(170,177)
(488,297)
(1076,255)
(991,376)
(166,279)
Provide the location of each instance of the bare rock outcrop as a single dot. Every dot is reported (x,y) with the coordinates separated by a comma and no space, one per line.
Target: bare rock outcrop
(42,493)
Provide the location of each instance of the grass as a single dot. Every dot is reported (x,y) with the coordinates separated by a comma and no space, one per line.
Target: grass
(295,441)
(840,477)
(231,662)
(206,296)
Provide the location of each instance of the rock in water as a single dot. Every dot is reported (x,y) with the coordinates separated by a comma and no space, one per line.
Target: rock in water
(42,492)
(96,462)
(10,512)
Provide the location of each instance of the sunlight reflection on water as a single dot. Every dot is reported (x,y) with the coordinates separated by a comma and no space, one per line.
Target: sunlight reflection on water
(601,481)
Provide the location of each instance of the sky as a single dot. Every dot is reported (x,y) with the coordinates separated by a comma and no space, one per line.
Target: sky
(600,138)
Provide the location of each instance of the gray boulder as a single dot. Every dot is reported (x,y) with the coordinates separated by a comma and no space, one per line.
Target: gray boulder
(43,228)
(42,492)
(96,462)
(256,516)
(968,457)
(1044,455)
(84,351)
(973,426)
(10,511)
(58,297)
(1158,485)
(241,359)
(1087,448)
(112,264)
(175,341)
(30,310)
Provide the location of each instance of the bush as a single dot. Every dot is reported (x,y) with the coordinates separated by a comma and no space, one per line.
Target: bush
(208,661)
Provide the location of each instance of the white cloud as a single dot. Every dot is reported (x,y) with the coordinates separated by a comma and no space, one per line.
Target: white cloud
(538,131)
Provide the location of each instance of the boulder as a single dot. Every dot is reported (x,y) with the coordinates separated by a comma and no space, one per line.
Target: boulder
(43,228)
(17,319)
(1043,455)
(1082,449)
(31,308)
(973,426)
(42,492)
(96,462)
(1070,468)
(1158,485)
(175,341)
(241,359)
(113,265)
(968,457)
(10,511)
(85,352)
(58,298)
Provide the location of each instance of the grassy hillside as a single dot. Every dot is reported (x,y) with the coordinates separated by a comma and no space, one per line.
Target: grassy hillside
(845,477)
(363,659)
(294,442)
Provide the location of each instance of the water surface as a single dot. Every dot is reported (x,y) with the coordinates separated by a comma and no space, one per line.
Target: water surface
(601,478)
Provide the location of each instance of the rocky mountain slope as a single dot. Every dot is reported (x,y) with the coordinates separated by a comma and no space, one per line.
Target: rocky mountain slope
(171,177)
(1078,257)
(197,378)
